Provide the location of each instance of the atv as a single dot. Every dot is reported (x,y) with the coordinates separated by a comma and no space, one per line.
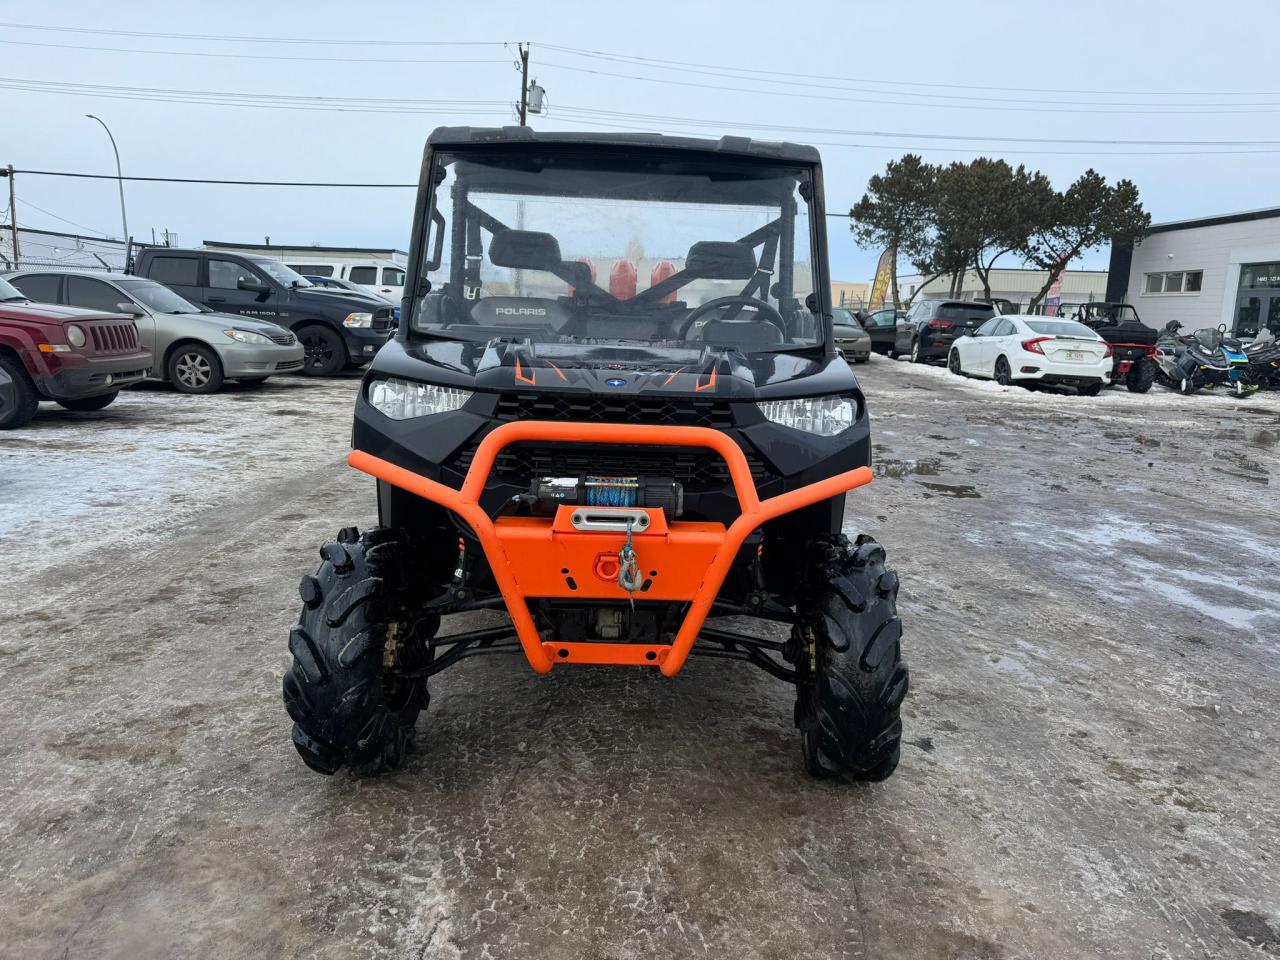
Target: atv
(612,466)
(1133,343)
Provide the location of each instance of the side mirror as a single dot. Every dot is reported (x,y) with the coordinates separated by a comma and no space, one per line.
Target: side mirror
(131,308)
(252,286)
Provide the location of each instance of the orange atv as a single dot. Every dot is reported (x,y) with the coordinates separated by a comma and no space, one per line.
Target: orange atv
(612,466)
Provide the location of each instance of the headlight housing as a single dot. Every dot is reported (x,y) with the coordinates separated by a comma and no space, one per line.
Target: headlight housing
(403,399)
(824,416)
(246,336)
(75,335)
(358,320)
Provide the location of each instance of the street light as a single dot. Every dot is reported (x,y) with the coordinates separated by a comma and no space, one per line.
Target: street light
(124,221)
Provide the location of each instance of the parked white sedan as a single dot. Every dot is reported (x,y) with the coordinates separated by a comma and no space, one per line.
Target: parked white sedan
(1028,349)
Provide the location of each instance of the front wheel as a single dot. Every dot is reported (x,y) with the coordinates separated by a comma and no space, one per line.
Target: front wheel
(348,708)
(19,400)
(1140,376)
(326,355)
(953,363)
(195,368)
(85,404)
(851,679)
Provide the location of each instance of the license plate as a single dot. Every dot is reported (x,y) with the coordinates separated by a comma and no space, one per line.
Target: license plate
(1075,354)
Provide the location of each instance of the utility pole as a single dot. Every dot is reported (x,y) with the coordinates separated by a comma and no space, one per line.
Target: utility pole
(13,217)
(524,84)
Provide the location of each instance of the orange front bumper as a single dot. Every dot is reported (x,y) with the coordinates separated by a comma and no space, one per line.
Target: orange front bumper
(680,561)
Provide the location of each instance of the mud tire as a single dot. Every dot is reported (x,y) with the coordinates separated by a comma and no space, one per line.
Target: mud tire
(346,707)
(852,679)
(1140,376)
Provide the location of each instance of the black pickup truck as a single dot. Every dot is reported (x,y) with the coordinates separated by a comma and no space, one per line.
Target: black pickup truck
(338,328)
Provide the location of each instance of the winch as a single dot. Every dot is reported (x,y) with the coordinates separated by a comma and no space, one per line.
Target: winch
(547,493)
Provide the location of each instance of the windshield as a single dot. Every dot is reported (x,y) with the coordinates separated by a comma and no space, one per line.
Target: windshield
(157,297)
(1062,328)
(610,247)
(844,318)
(9,292)
(280,273)
(1113,313)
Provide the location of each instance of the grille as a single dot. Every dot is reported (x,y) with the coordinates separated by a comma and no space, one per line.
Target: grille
(384,319)
(289,365)
(284,339)
(596,409)
(695,469)
(113,337)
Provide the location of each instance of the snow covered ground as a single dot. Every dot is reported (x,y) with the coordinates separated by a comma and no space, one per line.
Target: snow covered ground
(141,470)
(1091,605)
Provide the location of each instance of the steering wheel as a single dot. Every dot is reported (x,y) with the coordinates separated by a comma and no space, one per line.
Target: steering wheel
(764,310)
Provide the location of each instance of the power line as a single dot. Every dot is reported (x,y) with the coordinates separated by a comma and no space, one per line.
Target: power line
(247,56)
(238,39)
(912,148)
(230,183)
(264,101)
(169,91)
(417,105)
(49,213)
(975,138)
(770,73)
(1044,107)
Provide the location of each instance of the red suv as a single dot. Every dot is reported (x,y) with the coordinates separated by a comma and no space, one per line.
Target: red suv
(78,358)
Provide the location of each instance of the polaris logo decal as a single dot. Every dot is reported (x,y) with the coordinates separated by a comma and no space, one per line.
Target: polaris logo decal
(520,311)
(615,382)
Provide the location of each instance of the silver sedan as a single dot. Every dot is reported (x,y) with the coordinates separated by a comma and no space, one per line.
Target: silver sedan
(195,349)
(850,337)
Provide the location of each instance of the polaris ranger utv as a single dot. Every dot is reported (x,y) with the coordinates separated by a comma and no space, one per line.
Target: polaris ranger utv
(610,465)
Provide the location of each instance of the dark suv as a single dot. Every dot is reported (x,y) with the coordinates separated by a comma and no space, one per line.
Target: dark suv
(338,329)
(79,358)
(939,323)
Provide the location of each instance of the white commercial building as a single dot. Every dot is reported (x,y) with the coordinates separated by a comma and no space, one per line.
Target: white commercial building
(1203,273)
(1017,285)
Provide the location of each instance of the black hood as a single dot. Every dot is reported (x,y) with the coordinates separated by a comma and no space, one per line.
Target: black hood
(520,365)
(345,298)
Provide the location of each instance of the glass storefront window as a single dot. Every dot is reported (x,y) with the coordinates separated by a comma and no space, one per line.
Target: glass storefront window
(1258,300)
(1255,276)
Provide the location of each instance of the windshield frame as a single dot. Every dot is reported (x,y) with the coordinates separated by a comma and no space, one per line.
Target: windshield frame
(429,227)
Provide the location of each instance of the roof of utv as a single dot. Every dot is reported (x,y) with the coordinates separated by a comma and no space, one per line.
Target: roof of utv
(726,146)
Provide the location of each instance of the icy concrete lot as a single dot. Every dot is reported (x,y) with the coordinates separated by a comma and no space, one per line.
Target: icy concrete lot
(1090,590)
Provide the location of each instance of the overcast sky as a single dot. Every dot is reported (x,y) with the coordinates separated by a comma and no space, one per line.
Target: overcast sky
(1175,71)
